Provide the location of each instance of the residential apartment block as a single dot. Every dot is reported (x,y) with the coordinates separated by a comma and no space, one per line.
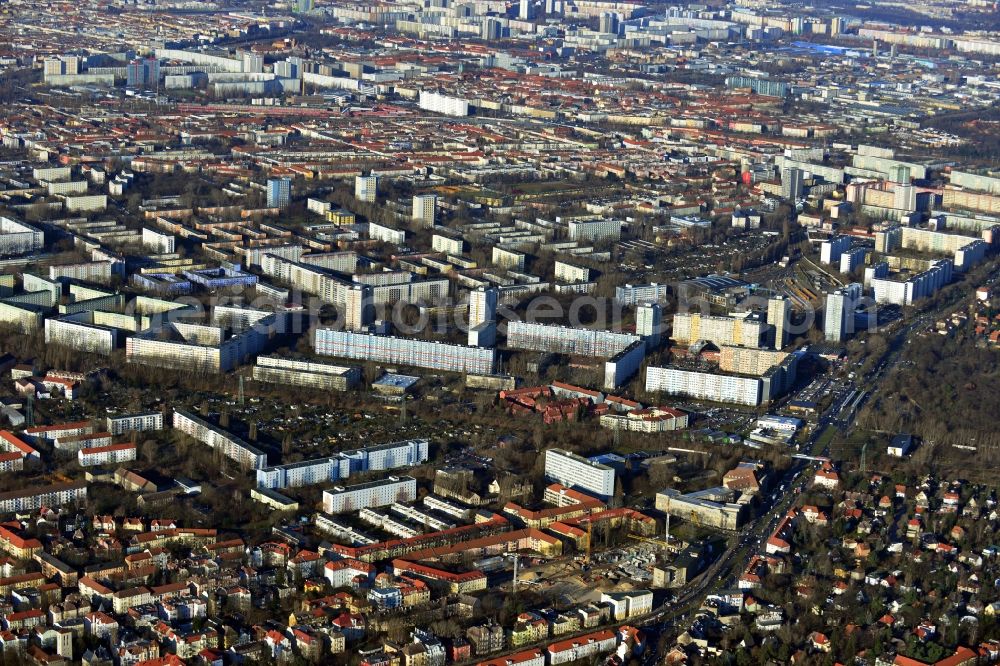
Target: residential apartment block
(35,497)
(19,238)
(651,419)
(720,387)
(73,443)
(404,351)
(591,230)
(566,340)
(631,294)
(76,332)
(377,458)
(231,446)
(106,455)
(582,647)
(195,347)
(905,291)
(139,422)
(55,431)
(384,492)
(306,374)
(740,331)
(366,188)
(575,471)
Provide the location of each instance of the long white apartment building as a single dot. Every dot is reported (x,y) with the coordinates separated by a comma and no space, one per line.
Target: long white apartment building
(311,279)
(448,507)
(738,331)
(447,244)
(74,443)
(19,238)
(386,523)
(714,386)
(449,106)
(566,271)
(106,455)
(342,262)
(575,471)
(405,351)
(631,294)
(414,291)
(91,271)
(138,422)
(36,284)
(55,431)
(906,291)
(386,234)
(25,318)
(339,530)
(382,278)
(228,444)
(77,332)
(306,374)
(591,230)
(420,517)
(377,458)
(703,384)
(508,258)
(384,492)
(35,497)
(567,340)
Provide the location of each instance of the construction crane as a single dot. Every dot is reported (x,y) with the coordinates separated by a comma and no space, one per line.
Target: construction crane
(590,541)
(517,560)
(667,540)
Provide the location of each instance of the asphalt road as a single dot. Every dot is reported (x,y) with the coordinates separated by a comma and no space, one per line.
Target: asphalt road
(749,541)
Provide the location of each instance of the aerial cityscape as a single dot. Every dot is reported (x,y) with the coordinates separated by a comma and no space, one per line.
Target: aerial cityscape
(499,333)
